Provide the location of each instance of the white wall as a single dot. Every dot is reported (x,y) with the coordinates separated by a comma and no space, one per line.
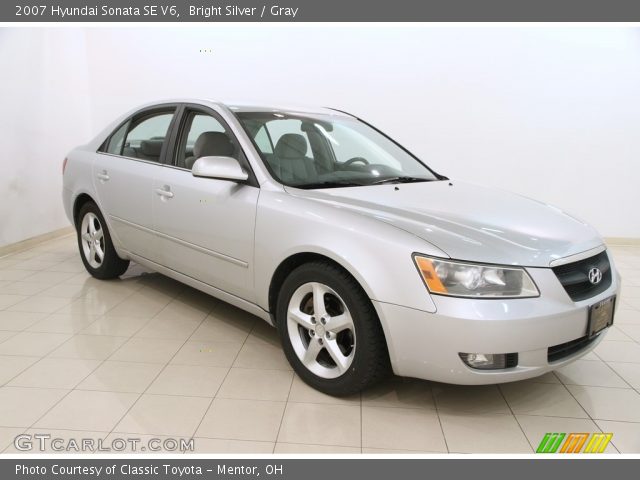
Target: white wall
(44,111)
(550,112)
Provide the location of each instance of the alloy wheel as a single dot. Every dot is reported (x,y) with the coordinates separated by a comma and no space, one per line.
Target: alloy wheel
(92,236)
(321,330)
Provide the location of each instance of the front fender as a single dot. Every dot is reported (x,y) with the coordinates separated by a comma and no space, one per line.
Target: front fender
(377,254)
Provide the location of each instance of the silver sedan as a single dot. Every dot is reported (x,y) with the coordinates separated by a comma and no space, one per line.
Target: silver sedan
(365,259)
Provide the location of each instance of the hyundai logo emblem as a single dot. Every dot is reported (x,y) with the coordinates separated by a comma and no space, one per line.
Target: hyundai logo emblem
(595,276)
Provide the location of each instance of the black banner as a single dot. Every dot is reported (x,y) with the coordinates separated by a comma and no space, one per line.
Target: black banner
(320,11)
(318,469)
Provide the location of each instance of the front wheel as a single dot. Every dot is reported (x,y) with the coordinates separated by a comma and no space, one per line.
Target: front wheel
(96,249)
(330,332)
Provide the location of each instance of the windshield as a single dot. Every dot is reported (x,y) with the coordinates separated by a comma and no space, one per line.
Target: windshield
(323,151)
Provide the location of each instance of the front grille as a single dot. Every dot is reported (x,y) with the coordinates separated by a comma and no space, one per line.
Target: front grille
(558,352)
(574,277)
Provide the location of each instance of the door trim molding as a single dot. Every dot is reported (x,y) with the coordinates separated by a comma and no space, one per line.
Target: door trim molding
(198,248)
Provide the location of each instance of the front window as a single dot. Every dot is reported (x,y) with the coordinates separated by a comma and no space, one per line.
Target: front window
(205,135)
(322,151)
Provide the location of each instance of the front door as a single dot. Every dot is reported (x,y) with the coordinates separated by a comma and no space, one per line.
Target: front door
(205,226)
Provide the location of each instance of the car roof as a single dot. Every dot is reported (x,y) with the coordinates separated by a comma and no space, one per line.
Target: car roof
(252,107)
(243,107)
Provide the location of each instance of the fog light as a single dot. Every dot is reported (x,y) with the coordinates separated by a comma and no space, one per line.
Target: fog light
(490,361)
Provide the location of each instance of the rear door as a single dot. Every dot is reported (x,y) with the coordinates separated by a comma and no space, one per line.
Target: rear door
(124,173)
(206,226)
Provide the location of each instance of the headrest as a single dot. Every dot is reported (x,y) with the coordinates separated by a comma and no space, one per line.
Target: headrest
(151,148)
(213,144)
(291,145)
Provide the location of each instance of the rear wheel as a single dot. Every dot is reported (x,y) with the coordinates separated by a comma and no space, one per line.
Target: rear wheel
(96,249)
(330,332)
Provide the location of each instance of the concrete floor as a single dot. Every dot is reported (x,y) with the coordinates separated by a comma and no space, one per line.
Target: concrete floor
(146,357)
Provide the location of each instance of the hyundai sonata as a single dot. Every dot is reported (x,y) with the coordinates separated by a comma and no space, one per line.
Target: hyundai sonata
(364,258)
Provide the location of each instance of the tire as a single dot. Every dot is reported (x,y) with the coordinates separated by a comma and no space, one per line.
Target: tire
(342,352)
(95,245)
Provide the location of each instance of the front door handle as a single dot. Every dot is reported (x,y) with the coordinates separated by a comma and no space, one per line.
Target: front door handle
(164,192)
(103,176)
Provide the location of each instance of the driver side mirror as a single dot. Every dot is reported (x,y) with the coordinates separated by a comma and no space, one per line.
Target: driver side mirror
(221,168)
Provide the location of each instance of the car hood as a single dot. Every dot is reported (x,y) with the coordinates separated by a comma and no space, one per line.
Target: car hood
(469,222)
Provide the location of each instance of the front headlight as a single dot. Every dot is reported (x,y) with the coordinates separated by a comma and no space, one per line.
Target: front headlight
(460,279)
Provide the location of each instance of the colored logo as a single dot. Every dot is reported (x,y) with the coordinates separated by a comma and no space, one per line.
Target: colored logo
(574,442)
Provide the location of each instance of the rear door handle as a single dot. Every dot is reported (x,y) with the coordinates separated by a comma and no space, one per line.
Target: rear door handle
(164,192)
(103,176)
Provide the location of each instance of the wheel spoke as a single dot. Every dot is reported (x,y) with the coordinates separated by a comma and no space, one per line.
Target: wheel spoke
(99,233)
(86,236)
(319,308)
(336,354)
(92,226)
(340,322)
(312,352)
(100,252)
(92,252)
(300,318)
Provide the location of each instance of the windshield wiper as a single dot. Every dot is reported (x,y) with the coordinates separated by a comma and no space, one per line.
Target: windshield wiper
(401,179)
(329,184)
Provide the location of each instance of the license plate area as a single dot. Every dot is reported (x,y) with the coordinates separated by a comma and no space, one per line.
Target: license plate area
(600,316)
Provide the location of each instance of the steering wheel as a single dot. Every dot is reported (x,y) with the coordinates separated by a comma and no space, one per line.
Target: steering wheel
(354,160)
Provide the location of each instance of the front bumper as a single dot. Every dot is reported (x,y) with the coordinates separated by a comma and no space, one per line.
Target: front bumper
(426,345)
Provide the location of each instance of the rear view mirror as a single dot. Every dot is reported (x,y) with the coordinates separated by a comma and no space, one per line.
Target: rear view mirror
(222,168)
